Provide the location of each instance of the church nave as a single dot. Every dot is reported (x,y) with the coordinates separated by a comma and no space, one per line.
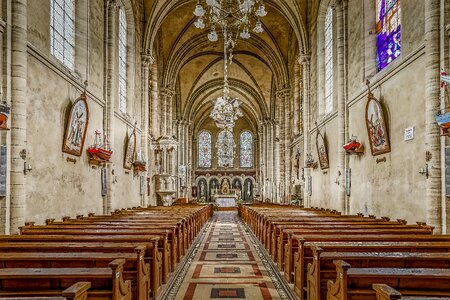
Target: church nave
(228,263)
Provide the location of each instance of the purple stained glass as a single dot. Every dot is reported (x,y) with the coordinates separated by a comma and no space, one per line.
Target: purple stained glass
(388,30)
(204,150)
(246,145)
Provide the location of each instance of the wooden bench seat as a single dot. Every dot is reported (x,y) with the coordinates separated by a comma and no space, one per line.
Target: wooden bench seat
(286,250)
(106,283)
(304,255)
(161,239)
(77,291)
(385,292)
(282,238)
(153,256)
(168,242)
(272,230)
(322,268)
(135,269)
(356,283)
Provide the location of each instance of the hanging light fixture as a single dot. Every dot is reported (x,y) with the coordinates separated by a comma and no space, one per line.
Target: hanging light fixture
(234,18)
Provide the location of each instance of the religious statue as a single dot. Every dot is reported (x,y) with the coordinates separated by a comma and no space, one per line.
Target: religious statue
(225,187)
(202,188)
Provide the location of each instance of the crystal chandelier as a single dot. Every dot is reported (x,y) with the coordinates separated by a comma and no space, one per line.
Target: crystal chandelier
(233,14)
(234,18)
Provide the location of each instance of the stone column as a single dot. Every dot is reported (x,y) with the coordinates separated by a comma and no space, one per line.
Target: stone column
(296,100)
(154,107)
(110,93)
(261,161)
(274,158)
(287,149)
(146,61)
(166,112)
(339,9)
(280,142)
(304,60)
(432,105)
(18,113)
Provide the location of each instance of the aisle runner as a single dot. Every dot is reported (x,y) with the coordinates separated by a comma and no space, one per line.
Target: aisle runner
(226,265)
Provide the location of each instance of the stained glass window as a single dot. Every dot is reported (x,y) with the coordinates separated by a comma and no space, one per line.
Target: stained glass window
(329,60)
(225,148)
(122,61)
(204,150)
(388,32)
(246,145)
(62,30)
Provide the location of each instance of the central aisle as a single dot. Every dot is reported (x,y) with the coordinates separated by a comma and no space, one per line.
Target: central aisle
(227,265)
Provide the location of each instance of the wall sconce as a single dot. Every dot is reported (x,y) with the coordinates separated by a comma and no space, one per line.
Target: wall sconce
(26,167)
(424,171)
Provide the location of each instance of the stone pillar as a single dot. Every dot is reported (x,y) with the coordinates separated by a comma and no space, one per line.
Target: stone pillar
(166,112)
(432,105)
(110,92)
(339,9)
(261,161)
(296,100)
(280,142)
(287,149)
(18,113)
(274,158)
(154,107)
(146,60)
(304,60)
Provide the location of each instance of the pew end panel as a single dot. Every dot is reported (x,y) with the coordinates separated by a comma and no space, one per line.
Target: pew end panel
(385,292)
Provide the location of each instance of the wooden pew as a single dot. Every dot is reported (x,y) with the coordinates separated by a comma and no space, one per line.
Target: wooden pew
(402,243)
(135,269)
(322,268)
(356,283)
(91,243)
(107,283)
(168,243)
(164,245)
(77,291)
(347,228)
(305,254)
(385,292)
(286,251)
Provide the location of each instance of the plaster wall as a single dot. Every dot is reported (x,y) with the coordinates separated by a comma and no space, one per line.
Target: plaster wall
(62,184)
(393,188)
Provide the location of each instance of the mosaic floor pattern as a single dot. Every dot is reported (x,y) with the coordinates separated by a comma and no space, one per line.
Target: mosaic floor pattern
(227,265)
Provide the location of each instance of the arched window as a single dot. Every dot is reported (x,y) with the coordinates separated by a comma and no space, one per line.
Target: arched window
(225,148)
(246,147)
(329,60)
(122,61)
(388,32)
(204,150)
(62,31)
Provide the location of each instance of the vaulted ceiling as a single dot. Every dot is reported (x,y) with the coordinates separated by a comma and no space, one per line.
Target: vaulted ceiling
(193,66)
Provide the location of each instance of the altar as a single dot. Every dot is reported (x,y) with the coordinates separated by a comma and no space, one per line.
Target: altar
(225,200)
(225,197)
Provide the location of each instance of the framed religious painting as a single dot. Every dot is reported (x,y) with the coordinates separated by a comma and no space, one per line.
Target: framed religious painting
(322,151)
(130,150)
(376,127)
(76,127)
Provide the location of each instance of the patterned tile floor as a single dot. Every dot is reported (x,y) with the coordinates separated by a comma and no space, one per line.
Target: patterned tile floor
(227,265)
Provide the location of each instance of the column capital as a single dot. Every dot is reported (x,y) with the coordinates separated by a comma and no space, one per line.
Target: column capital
(338,4)
(304,58)
(167,92)
(112,4)
(147,60)
(283,92)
